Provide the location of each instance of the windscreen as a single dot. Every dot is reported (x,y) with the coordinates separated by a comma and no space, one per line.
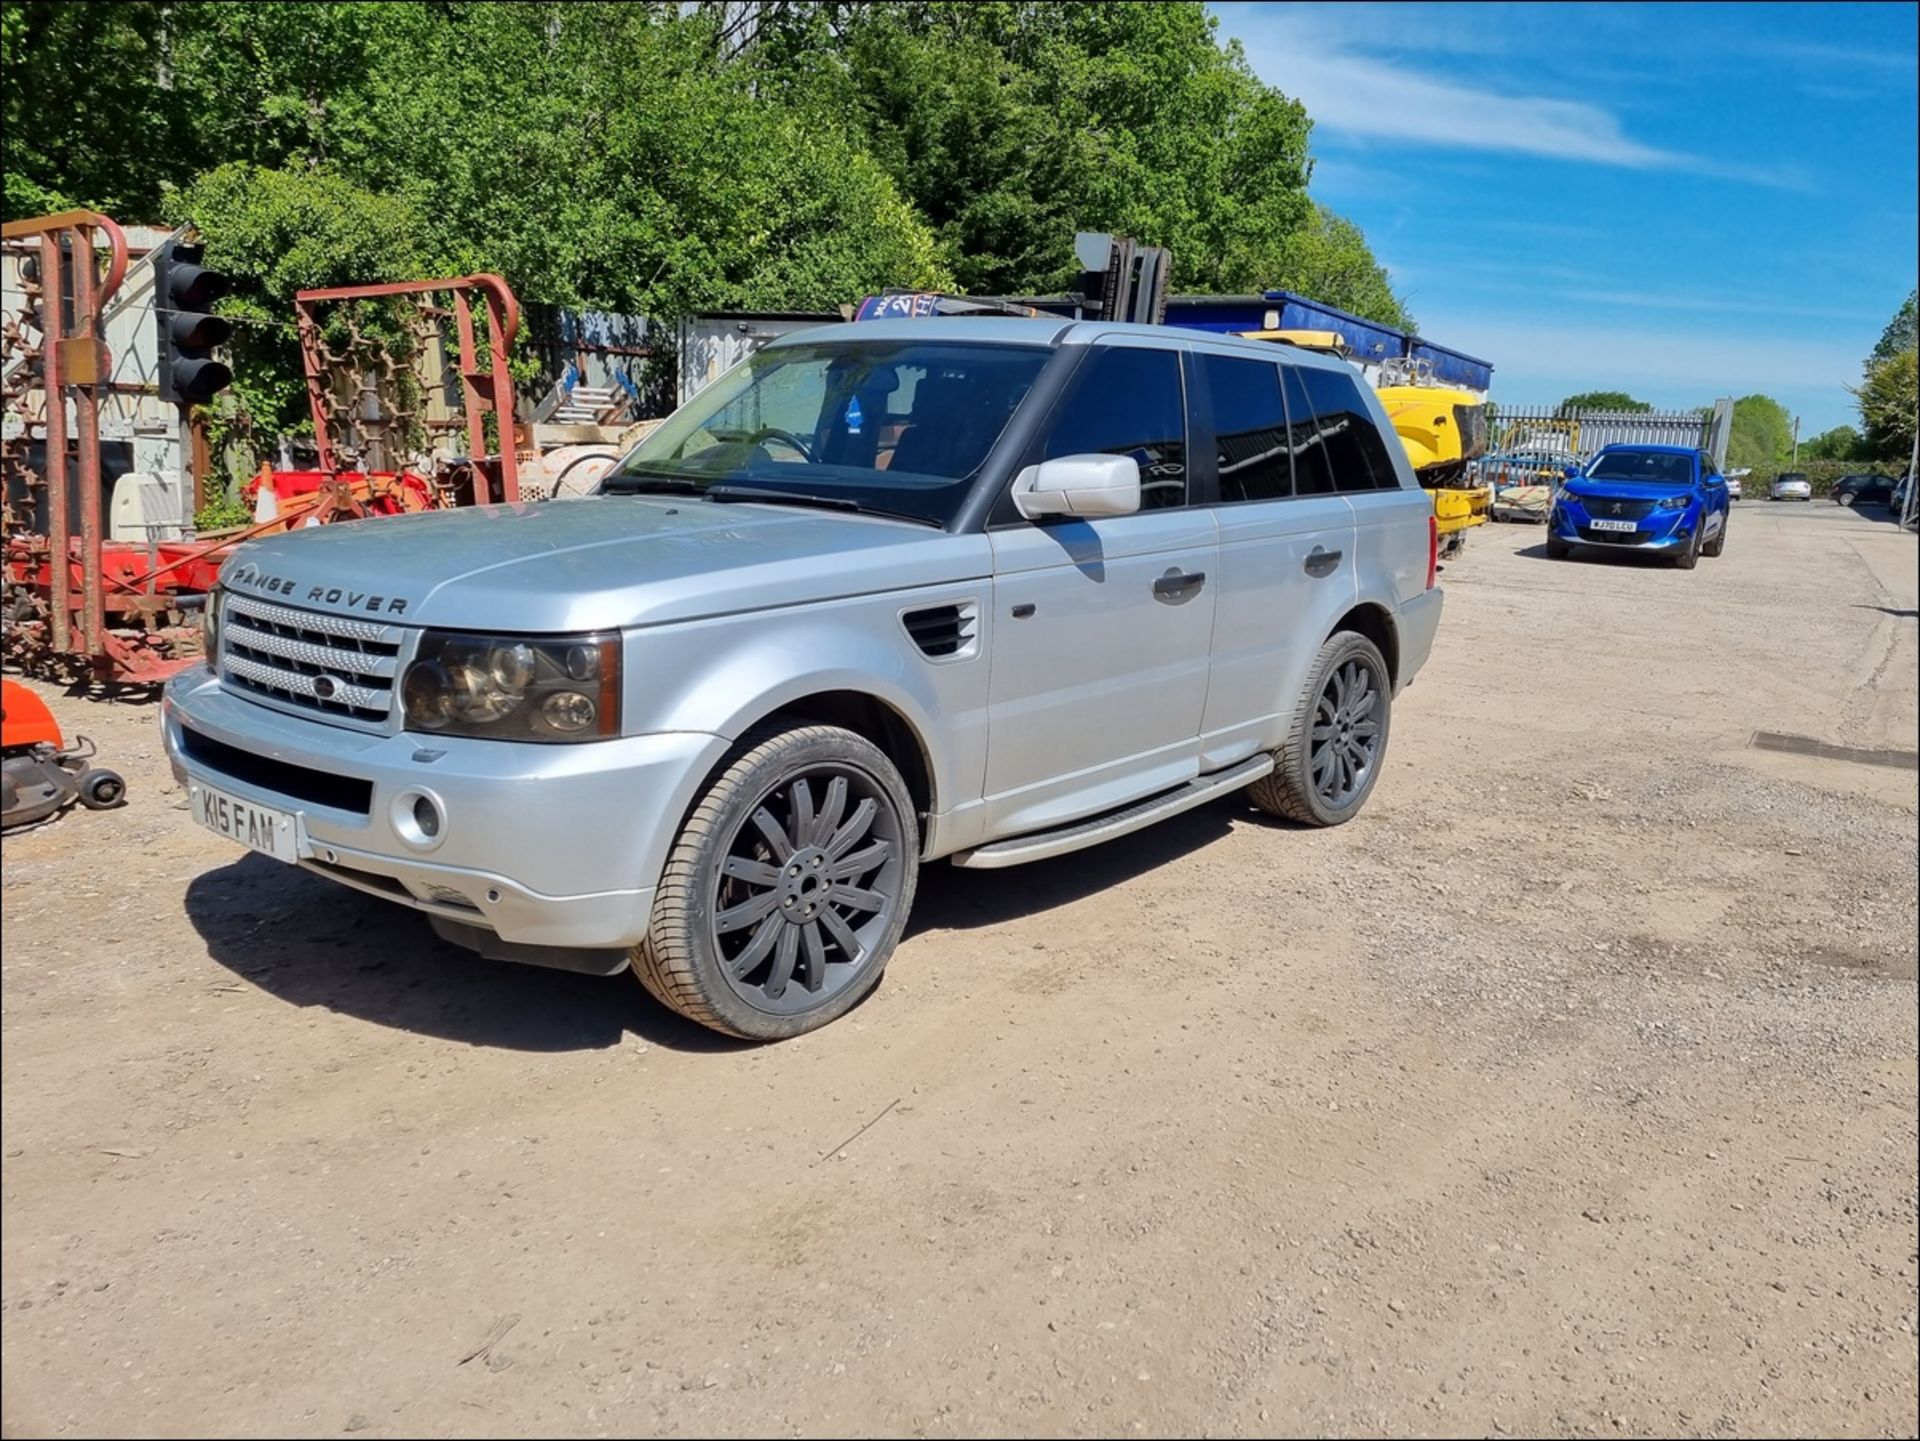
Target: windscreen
(1652,466)
(898,428)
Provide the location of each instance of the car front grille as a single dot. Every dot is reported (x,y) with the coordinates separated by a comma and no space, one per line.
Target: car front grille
(335,666)
(1603,509)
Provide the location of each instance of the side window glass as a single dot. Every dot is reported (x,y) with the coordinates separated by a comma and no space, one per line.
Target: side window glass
(1355,453)
(1128,402)
(1250,426)
(1311,473)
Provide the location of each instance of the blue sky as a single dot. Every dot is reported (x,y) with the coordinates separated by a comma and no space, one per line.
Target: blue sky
(1680,201)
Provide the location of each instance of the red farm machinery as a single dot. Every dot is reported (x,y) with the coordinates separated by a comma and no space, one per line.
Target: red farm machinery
(382,375)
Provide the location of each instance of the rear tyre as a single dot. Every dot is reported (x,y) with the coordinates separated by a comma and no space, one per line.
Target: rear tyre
(1846,498)
(1337,745)
(1718,545)
(788,887)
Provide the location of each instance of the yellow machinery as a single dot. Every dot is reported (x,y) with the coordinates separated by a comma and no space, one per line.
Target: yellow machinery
(1444,430)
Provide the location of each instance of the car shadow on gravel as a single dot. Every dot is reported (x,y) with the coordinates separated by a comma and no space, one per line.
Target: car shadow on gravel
(1594,555)
(950,898)
(313,943)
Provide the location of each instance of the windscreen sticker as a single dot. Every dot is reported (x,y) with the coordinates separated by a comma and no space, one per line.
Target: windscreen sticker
(853,416)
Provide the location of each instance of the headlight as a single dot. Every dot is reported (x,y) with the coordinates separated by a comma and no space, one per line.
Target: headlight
(1676,502)
(210,627)
(514,688)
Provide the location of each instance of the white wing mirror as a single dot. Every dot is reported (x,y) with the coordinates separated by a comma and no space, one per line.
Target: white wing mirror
(1086,486)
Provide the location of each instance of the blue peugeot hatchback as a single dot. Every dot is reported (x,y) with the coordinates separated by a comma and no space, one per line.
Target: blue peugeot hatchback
(1658,499)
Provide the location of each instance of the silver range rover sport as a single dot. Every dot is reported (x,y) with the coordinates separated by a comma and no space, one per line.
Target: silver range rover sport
(983,590)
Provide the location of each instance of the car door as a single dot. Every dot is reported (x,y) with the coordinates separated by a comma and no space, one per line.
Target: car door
(1286,552)
(1100,645)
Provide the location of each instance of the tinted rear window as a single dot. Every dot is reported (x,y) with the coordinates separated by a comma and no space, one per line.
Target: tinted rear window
(1250,426)
(1352,444)
(1312,473)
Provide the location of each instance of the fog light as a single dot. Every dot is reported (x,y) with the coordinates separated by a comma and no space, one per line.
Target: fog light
(418,819)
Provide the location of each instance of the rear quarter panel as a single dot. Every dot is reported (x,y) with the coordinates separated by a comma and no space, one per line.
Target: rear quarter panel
(1390,528)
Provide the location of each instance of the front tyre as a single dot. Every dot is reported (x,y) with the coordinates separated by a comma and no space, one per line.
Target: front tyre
(1690,557)
(1333,754)
(1718,545)
(788,887)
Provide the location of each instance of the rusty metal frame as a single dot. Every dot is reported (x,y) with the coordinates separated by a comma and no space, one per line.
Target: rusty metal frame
(484,391)
(74,359)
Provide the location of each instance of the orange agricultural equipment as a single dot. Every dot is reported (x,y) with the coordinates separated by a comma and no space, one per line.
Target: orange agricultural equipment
(40,775)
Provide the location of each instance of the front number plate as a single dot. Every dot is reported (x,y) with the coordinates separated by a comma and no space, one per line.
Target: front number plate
(1613,525)
(272,833)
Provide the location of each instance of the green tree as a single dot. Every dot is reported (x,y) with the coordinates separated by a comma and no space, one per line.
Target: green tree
(1328,259)
(1010,126)
(1902,332)
(1843,442)
(1888,400)
(1761,433)
(89,119)
(661,158)
(277,232)
(1615,400)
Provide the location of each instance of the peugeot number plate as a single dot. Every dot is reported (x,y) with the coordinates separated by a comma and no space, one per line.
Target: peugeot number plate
(1613,525)
(272,833)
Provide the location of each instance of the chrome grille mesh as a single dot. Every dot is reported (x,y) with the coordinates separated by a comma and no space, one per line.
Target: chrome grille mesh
(337,666)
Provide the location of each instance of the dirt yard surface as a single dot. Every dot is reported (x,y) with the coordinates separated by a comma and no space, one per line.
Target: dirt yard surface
(1571,1089)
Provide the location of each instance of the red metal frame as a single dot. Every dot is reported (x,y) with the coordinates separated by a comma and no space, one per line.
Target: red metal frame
(486,391)
(65,625)
(78,621)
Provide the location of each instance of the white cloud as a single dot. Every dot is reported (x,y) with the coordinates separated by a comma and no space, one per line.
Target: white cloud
(1367,98)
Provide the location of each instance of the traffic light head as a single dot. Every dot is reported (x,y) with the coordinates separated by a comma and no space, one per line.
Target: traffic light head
(182,291)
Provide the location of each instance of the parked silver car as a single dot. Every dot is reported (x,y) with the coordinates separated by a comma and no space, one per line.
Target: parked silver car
(985,590)
(1790,485)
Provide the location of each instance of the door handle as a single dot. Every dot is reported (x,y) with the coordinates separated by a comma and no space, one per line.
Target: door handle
(1322,562)
(1178,583)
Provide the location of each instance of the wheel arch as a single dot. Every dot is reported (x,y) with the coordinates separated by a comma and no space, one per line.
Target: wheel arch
(1375,622)
(873,719)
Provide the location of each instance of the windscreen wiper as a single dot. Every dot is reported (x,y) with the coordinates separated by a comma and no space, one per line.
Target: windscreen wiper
(724,493)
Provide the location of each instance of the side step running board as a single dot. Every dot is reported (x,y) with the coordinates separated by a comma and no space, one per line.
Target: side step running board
(1042,844)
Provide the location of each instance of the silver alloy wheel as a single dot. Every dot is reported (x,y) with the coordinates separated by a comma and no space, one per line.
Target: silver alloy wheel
(1346,732)
(808,887)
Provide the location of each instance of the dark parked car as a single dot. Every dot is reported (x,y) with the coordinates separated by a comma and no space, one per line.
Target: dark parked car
(1864,489)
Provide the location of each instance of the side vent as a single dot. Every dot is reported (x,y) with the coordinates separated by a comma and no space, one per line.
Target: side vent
(945,632)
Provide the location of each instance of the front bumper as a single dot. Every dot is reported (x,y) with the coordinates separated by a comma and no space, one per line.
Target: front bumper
(1660,530)
(540,845)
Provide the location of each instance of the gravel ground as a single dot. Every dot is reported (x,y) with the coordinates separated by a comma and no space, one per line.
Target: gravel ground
(1570,1090)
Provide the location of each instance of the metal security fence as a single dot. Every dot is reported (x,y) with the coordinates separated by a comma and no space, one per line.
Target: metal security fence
(1545,432)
